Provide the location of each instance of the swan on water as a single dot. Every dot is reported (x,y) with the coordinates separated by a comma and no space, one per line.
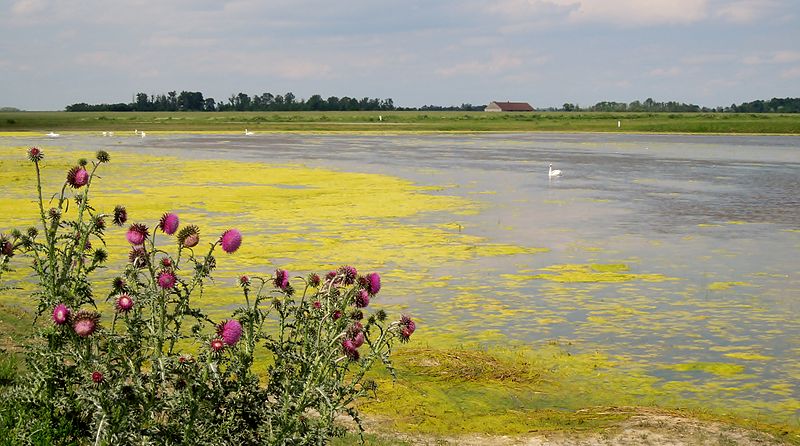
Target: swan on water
(143,133)
(248,133)
(554,173)
(53,135)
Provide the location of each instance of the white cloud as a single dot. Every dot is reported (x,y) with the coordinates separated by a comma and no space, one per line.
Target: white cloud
(26,7)
(744,11)
(628,13)
(636,13)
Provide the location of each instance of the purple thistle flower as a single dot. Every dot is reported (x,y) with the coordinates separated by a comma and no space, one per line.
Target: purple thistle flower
(350,350)
(373,284)
(77,177)
(358,339)
(85,323)
(35,154)
(6,247)
(231,240)
(166,279)
(217,345)
(230,331)
(281,279)
(136,234)
(60,314)
(244,280)
(407,328)
(317,305)
(349,273)
(189,236)
(336,314)
(97,377)
(362,299)
(124,303)
(168,223)
(314,280)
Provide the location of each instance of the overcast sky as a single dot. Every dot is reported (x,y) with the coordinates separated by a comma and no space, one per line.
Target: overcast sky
(547,52)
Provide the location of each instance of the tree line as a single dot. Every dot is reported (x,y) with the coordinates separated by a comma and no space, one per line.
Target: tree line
(774,105)
(195,101)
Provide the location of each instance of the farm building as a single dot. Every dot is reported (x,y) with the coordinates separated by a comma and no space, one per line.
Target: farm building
(495,106)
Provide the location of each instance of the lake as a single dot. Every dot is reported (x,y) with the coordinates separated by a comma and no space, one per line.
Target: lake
(674,256)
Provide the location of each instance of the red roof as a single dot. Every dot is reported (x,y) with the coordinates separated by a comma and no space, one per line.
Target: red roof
(513,106)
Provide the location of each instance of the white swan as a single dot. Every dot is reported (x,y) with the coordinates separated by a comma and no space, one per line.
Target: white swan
(554,173)
(248,133)
(52,135)
(143,133)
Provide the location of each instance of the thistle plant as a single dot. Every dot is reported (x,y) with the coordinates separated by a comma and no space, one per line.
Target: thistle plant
(159,369)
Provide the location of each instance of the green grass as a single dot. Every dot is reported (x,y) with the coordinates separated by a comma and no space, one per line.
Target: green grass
(745,123)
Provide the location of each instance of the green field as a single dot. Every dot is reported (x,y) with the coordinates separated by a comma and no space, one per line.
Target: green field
(401,122)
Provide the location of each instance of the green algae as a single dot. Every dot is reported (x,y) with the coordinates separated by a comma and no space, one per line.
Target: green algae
(715,368)
(748,356)
(317,219)
(588,273)
(722,286)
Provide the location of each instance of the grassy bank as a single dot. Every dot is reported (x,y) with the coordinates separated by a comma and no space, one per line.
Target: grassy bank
(401,122)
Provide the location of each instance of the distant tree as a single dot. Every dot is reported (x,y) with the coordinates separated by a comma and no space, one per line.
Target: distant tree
(332,103)
(315,102)
(142,102)
(209,104)
(190,101)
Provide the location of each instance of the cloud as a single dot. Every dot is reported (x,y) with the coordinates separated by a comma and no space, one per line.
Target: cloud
(745,11)
(637,13)
(627,13)
(775,57)
(27,7)
(500,63)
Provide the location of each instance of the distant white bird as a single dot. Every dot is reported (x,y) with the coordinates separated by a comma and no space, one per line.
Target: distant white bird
(110,133)
(105,133)
(143,133)
(248,133)
(135,131)
(554,173)
(53,135)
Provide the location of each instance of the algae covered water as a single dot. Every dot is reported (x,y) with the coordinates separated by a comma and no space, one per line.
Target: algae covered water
(673,257)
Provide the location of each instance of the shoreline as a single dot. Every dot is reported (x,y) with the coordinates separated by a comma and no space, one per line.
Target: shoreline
(20,134)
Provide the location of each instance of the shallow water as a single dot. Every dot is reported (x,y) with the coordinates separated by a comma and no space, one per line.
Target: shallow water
(675,255)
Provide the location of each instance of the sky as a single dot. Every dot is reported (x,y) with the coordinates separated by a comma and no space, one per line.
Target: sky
(546,52)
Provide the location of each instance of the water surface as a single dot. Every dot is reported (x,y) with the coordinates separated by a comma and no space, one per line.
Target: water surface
(675,255)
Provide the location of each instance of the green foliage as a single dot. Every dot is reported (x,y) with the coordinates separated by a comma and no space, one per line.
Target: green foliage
(161,371)
(8,368)
(404,121)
